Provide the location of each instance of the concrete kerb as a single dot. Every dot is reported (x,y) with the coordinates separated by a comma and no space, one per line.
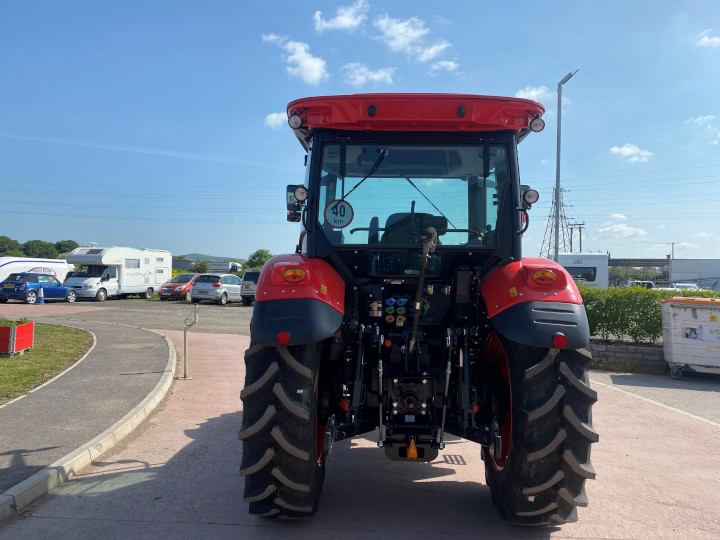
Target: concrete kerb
(21,495)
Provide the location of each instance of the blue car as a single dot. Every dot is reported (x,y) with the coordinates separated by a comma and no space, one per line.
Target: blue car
(26,286)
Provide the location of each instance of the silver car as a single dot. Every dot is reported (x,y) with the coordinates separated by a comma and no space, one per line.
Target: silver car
(220,288)
(249,286)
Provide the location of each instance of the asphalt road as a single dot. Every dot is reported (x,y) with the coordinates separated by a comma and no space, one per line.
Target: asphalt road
(232,318)
(123,367)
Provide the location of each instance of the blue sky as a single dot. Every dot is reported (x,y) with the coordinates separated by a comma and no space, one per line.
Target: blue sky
(161,124)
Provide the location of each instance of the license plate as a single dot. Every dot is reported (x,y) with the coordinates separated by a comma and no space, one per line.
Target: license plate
(8,286)
(202,292)
(246,286)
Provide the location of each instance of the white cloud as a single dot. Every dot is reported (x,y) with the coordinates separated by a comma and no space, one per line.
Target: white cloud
(617,216)
(274,39)
(433,51)
(701,121)
(447,65)
(409,37)
(536,93)
(276,120)
(632,152)
(706,126)
(358,74)
(706,40)
(702,235)
(300,63)
(347,18)
(621,231)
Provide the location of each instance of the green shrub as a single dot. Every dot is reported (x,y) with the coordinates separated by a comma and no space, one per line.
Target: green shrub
(633,313)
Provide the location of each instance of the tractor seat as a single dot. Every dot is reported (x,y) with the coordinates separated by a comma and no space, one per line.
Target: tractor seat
(409,228)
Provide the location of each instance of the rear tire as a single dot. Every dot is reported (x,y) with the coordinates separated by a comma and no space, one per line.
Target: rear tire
(148,293)
(223,299)
(246,301)
(283,459)
(540,480)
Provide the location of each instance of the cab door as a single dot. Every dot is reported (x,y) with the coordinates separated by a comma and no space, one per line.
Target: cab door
(109,280)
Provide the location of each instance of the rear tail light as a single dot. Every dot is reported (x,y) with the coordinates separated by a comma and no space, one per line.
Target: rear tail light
(217,284)
(544,277)
(282,338)
(294,275)
(22,287)
(560,341)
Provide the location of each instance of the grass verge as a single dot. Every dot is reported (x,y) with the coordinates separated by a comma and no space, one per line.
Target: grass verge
(56,348)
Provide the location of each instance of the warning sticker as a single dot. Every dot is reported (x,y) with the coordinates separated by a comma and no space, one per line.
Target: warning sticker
(339,214)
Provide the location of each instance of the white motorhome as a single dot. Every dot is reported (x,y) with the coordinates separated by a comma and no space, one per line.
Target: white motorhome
(118,271)
(587,268)
(38,265)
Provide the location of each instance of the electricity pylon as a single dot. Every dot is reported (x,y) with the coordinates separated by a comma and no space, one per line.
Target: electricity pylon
(547,249)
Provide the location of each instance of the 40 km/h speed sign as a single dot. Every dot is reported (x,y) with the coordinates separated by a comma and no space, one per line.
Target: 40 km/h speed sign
(339,214)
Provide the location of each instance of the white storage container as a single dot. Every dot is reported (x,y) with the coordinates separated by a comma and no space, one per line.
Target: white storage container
(691,334)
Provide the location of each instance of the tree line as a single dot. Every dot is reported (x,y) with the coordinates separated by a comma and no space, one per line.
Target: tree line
(35,248)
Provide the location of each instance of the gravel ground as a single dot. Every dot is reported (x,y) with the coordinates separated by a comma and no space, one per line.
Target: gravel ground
(232,318)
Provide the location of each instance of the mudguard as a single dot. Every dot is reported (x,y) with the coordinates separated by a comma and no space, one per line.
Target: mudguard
(527,312)
(308,311)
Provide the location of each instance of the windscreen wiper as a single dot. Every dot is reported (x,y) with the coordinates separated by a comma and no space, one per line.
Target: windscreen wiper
(431,203)
(384,152)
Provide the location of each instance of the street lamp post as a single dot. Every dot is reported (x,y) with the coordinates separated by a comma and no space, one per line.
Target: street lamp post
(565,79)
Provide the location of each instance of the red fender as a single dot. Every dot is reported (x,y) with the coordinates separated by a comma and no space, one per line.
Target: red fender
(513,284)
(321,281)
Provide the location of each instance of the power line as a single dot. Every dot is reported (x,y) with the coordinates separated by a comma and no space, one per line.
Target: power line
(641,173)
(143,218)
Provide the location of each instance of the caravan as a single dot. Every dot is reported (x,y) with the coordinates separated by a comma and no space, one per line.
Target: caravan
(118,271)
(587,268)
(35,265)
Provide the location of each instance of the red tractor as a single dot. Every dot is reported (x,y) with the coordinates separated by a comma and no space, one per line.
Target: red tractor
(408,312)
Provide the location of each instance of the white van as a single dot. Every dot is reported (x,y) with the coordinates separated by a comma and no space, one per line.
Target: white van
(36,265)
(118,271)
(587,268)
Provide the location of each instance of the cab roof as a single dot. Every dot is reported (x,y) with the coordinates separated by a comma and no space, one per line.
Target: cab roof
(413,112)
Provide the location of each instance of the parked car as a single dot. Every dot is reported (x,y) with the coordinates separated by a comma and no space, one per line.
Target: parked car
(220,288)
(638,283)
(26,286)
(249,286)
(686,286)
(178,287)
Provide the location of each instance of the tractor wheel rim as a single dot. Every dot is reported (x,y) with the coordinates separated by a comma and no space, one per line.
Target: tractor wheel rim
(495,355)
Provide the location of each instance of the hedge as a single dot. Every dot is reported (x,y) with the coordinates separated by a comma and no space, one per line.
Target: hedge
(633,313)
